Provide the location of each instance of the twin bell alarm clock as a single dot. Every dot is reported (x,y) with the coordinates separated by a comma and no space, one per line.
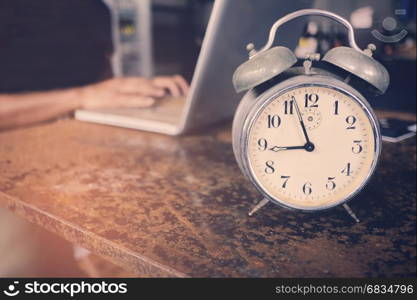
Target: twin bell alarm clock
(305,136)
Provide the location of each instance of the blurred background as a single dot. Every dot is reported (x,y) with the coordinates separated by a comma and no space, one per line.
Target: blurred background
(153,37)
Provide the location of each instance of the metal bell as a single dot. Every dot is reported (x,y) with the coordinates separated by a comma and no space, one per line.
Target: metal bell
(263,67)
(361,65)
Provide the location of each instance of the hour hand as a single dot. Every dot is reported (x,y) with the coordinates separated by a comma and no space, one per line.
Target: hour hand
(277,148)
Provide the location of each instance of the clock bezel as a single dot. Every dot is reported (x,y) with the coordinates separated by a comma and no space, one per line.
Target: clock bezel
(300,81)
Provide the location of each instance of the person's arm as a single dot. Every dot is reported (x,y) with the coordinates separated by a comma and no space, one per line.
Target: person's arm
(28,108)
(33,107)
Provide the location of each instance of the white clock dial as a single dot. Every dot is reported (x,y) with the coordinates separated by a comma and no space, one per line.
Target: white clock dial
(341,133)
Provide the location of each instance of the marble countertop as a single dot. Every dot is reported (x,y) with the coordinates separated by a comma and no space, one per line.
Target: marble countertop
(177,206)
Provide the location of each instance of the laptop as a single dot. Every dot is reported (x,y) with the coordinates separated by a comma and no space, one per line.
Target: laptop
(211,99)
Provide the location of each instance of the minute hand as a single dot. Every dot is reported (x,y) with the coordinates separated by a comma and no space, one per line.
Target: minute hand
(300,118)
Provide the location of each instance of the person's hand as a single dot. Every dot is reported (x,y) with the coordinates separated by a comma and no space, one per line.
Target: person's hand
(175,85)
(131,91)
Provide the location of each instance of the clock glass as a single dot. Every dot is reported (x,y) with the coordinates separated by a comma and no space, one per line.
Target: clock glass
(312,147)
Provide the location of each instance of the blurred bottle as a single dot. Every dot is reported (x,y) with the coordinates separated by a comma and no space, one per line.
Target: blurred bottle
(308,42)
(132,37)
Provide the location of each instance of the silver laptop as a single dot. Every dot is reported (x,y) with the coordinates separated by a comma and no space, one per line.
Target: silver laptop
(232,24)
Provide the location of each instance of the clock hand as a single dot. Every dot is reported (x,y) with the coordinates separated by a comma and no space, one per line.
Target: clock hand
(277,148)
(300,118)
(309,146)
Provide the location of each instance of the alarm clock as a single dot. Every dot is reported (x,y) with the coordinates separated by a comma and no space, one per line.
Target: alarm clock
(305,136)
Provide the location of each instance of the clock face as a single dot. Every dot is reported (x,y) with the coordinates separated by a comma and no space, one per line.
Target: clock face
(321,166)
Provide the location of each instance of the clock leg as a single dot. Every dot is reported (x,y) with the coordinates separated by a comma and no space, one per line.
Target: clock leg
(258,206)
(351,213)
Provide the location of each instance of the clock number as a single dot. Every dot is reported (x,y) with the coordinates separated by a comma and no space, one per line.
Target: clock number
(307,188)
(357,147)
(274,121)
(331,185)
(289,106)
(351,120)
(263,144)
(269,169)
(311,100)
(286,178)
(347,170)
(336,107)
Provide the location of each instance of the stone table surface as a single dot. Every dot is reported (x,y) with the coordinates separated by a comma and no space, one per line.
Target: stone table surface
(177,206)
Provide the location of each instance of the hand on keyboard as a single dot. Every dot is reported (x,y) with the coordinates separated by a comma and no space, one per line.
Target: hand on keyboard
(131,91)
(175,85)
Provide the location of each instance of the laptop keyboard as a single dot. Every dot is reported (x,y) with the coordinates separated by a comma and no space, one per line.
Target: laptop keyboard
(165,110)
